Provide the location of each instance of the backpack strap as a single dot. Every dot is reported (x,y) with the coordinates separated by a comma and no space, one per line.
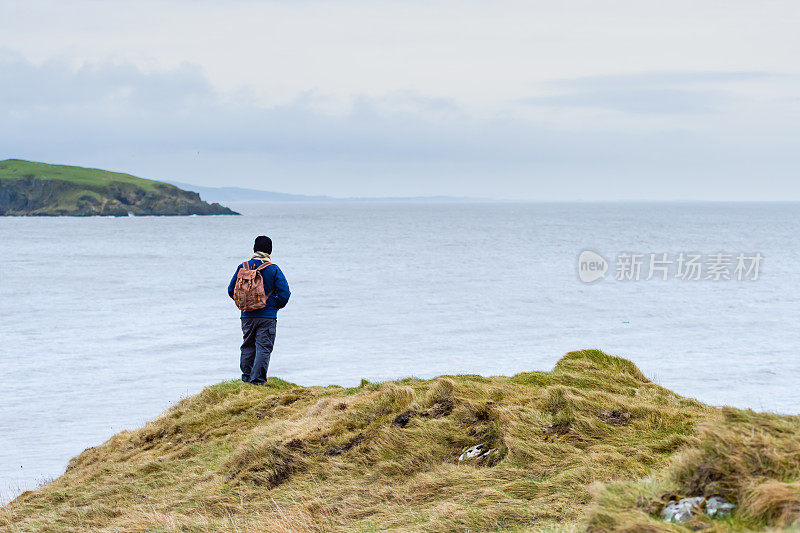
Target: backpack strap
(262,266)
(245,266)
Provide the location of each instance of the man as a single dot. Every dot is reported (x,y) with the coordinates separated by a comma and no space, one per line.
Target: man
(258,327)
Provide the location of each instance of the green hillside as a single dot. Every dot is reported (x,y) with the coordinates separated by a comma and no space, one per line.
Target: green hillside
(17,169)
(592,445)
(31,188)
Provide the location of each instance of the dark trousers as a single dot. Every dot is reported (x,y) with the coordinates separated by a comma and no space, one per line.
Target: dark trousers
(258,339)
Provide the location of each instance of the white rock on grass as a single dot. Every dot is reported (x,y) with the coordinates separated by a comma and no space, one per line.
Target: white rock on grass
(682,510)
(478,452)
(716,506)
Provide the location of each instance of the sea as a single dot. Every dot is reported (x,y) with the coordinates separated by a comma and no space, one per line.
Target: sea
(106,322)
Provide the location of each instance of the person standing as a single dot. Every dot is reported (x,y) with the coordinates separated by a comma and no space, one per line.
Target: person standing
(259,289)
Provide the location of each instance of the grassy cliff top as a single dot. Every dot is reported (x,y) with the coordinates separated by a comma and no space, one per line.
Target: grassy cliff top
(592,445)
(41,189)
(18,169)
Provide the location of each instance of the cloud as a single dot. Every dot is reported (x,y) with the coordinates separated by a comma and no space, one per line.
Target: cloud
(667,101)
(55,83)
(658,79)
(174,124)
(647,93)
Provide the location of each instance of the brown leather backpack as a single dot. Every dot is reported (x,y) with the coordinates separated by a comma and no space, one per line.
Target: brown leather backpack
(248,293)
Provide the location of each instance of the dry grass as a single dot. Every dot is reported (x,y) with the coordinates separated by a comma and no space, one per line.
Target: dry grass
(592,444)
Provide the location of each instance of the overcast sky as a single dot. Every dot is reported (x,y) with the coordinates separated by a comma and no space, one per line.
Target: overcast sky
(531,100)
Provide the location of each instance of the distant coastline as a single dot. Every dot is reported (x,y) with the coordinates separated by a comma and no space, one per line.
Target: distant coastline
(29,188)
(239,194)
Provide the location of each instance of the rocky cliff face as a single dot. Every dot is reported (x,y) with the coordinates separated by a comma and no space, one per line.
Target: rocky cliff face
(33,196)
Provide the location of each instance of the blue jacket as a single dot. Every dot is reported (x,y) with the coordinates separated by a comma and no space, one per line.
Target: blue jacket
(274,281)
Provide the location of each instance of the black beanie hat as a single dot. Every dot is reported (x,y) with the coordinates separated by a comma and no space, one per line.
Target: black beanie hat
(263,244)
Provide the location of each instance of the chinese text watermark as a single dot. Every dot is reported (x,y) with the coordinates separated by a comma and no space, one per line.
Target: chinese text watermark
(686,266)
